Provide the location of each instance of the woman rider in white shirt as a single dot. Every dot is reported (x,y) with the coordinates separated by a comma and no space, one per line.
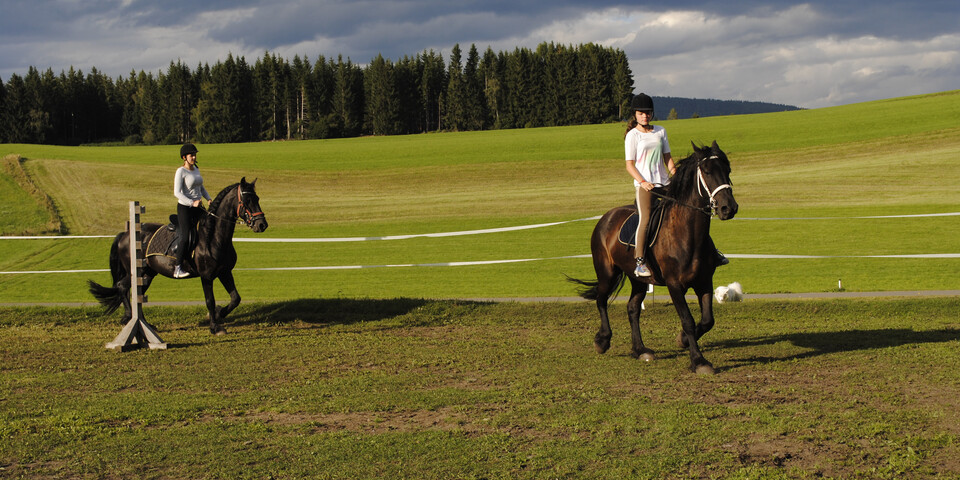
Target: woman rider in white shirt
(648,159)
(189,190)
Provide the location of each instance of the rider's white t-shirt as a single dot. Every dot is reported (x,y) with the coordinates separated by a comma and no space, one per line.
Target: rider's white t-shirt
(647,150)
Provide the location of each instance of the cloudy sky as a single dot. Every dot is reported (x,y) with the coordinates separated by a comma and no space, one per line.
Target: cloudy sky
(813,54)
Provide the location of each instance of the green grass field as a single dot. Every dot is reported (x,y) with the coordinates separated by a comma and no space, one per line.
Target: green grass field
(841,162)
(351,389)
(377,373)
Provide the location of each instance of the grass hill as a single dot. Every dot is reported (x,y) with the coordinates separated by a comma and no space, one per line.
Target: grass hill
(829,166)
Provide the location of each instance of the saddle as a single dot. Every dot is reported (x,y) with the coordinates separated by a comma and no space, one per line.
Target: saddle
(164,241)
(628,231)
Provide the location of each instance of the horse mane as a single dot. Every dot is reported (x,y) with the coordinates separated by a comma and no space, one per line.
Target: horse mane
(215,203)
(686,177)
(685,180)
(209,221)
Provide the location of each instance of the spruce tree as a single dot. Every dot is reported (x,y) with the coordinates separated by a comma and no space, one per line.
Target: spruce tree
(381,112)
(454,106)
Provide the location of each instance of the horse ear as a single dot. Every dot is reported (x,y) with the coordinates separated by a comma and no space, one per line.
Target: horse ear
(715,147)
(243,180)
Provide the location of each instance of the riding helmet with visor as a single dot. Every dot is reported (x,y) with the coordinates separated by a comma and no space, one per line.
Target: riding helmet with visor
(642,103)
(187,149)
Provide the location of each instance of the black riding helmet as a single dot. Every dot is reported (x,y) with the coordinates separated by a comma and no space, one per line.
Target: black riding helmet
(642,102)
(187,149)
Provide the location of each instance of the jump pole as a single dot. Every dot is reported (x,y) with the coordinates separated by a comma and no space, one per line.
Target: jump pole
(137,333)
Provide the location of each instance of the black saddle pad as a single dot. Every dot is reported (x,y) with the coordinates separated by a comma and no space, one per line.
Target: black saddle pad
(163,242)
(628,231)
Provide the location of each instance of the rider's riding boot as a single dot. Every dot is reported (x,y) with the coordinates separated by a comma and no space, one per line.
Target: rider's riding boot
(179,272)
(721,259)
(641,270)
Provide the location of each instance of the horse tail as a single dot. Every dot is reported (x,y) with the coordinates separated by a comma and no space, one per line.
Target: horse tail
(110,297)
(591,290)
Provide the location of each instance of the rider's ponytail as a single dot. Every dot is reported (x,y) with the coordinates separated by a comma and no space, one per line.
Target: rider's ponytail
(631,124)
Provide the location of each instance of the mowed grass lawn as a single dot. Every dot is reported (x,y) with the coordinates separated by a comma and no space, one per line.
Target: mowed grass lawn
(801,178)
(342,388)
(364,374)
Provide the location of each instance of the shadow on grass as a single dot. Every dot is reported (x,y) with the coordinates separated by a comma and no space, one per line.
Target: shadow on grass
(339,311)
(824,343)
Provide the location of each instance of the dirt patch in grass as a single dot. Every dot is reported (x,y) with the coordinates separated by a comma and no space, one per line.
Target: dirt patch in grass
(453,419)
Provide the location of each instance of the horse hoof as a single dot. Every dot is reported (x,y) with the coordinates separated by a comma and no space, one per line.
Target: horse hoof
(601,344)
(705,369)
(218,331)
(647,357)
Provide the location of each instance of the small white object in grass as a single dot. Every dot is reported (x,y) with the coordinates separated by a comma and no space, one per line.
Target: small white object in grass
(729,293)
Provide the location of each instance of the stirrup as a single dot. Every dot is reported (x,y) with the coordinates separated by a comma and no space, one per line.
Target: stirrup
(641,270)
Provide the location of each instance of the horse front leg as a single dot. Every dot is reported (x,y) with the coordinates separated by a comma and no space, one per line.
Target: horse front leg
(705,296)
(705,299)
(698,363)
(215,327)
(231,287)
(634,307)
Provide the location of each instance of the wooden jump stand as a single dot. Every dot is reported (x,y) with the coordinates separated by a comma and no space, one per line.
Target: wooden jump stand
(137,333)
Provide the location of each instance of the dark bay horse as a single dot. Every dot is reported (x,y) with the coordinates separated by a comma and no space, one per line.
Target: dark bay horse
(214,255)
(682,257)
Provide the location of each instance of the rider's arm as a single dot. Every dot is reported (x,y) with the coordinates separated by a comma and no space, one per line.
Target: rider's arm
(178,188)
(632,170)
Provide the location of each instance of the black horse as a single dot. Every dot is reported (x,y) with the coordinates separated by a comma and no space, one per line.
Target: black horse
(682,257)
(214,256)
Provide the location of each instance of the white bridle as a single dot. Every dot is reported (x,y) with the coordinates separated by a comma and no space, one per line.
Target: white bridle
(703,187)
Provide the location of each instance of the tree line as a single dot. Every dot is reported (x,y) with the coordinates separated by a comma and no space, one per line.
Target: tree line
(276,99)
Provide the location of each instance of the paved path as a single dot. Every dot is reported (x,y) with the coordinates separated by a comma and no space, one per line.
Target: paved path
(664,296)
(749,296)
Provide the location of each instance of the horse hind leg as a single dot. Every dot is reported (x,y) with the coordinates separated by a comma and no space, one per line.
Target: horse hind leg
(123,290)
(608,282)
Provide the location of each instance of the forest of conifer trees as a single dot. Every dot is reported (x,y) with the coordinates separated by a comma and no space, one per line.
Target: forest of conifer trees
(278,99)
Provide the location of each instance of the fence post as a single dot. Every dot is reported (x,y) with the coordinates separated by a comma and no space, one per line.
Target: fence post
(137,333)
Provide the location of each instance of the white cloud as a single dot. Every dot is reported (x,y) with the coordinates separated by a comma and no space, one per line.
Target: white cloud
(775,55)
(813,54)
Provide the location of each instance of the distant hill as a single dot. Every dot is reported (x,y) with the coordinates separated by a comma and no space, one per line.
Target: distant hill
(688,107)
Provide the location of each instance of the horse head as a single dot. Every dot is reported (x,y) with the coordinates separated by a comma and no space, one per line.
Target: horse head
(713,180)
(248,206)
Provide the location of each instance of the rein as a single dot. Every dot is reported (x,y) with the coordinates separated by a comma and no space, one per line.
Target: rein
(704,210)
(249,216)
(702,187)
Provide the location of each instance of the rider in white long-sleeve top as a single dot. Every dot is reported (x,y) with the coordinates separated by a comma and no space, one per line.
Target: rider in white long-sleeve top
(189,190)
